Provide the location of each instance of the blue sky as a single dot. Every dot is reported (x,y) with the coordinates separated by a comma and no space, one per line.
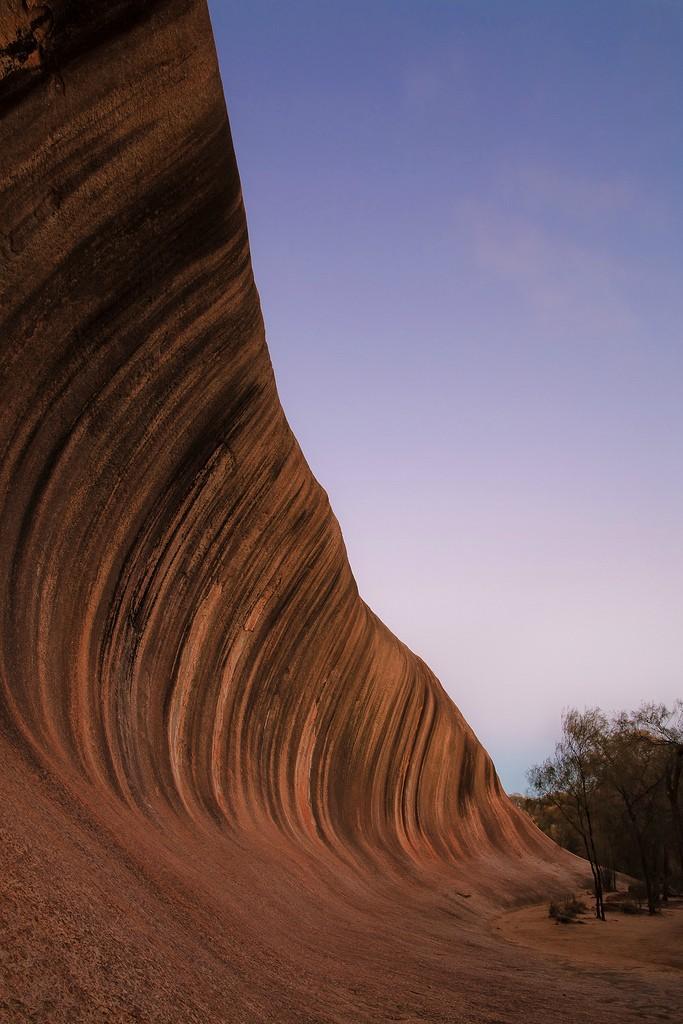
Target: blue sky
(466,222)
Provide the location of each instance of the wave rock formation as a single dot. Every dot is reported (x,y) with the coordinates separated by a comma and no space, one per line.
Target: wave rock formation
(230,793)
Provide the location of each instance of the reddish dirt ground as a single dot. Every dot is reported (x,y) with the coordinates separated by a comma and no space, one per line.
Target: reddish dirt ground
(641,942)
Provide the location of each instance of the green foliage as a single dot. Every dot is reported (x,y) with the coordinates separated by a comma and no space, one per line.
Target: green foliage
(547,816)
(613,792)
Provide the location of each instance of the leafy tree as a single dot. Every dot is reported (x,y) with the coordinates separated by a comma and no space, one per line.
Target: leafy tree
(614,790)
(570,781)
(632,767)
(664,726)
(548,818)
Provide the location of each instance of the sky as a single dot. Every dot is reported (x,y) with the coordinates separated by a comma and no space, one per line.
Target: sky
(466,223)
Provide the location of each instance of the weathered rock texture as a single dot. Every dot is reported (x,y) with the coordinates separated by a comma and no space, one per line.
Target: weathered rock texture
(230,793)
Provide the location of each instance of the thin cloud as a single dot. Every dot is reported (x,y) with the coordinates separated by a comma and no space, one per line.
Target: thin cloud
(574,194)
(562,282)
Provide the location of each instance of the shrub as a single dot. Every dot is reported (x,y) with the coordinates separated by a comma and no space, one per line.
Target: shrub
(575,907)
(629,907)
(638,894)
(566,911)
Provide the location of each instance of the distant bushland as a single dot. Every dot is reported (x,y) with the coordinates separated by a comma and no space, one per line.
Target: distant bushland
(613,793)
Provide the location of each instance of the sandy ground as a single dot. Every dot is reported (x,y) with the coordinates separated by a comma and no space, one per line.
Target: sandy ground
(641,942)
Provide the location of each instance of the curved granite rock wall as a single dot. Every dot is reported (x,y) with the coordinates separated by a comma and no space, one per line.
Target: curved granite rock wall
(227,792)
(180,625)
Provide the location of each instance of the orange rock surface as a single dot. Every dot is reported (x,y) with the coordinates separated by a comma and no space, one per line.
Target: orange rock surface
(229,792)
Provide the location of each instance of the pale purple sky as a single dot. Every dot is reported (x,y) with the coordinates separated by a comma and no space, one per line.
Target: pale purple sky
(466,222)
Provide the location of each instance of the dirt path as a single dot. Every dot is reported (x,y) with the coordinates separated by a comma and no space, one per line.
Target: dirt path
(641,942)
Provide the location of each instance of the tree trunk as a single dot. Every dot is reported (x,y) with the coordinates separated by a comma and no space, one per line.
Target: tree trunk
(595,867)
(644,860)
(673,784)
